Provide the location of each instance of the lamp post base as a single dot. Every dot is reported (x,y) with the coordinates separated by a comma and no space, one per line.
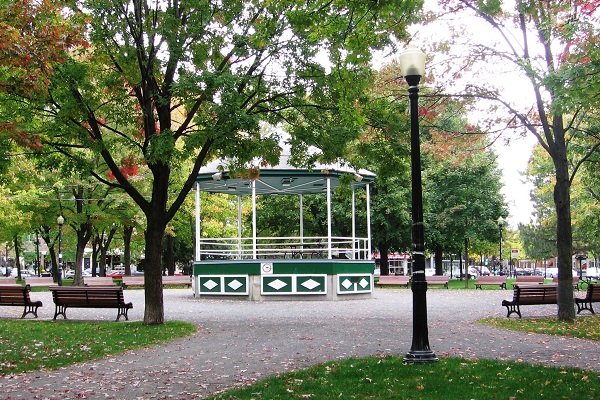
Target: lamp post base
(420,356)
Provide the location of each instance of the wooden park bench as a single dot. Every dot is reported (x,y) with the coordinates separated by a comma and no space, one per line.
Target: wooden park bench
(18,295)
(530,294)
(35,281)
(438,280)
(130,281)
(98,281)
(177,280)
(534,279)
(89,297)
(575,282)
(393,280)
(591,295)
(491,280)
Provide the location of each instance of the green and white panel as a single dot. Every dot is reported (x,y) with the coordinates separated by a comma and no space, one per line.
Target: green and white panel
(354,283)
(224,284)
(280,284)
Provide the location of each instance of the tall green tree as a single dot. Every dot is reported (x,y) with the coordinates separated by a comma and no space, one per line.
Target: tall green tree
(188,80)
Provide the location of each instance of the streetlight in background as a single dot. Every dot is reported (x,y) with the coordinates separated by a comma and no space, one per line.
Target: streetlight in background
(60,221)
(501,222)
(412,64)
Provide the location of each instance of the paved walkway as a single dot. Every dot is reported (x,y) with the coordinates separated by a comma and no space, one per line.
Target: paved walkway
(239,342)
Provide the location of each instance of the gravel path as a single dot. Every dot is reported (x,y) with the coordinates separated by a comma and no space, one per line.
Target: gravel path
(239,342)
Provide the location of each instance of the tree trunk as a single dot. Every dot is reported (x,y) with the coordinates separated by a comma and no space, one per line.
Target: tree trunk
(17,256)
(384,262)
(154,310)
(94,263)
(127,233)
(169,255)
(564,236)
(439,260)
(466,263)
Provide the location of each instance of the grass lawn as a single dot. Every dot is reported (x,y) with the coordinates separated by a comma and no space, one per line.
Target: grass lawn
(451,378)
(33,345)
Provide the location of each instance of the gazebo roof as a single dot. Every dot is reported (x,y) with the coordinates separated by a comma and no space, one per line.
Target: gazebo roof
(279,179)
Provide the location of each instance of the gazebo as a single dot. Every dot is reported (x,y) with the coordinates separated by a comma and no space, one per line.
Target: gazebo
(284,268)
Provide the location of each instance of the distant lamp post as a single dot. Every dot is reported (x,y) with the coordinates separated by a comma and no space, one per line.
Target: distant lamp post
(412,64)
(60,221)
(581,257)
(501,222)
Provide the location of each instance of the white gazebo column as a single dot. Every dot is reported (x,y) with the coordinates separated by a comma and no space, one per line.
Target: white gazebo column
(197,252)
(301,226)
(197,255)
(353,226)
(329,249)
(369,252)
(254,230)
(239,226)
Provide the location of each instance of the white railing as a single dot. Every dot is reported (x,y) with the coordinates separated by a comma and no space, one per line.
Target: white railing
(284,247)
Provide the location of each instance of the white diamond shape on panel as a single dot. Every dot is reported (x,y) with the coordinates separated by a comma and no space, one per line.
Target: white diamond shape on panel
(278,284)
(311,284)
(235,284)
(363,283)
(346,283)
(210,284)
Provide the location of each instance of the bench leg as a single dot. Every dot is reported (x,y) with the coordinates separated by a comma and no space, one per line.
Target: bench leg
(30,309)
(60,310)
(513,309)
(585,306)
(123,312)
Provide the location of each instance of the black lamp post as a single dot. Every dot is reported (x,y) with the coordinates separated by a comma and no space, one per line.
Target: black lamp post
(60,220)
(501,223)
(412,64)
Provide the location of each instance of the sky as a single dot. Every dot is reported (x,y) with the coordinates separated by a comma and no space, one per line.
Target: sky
(512,160)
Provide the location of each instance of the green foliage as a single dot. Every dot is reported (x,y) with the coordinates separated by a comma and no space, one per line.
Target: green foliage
(463,201)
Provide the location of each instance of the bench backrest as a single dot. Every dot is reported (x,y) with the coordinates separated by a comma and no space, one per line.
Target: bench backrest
(530,278)
(35,281)
(132,279)
(82,295)
(575,279)
(538,294)
(176,279)
(593,292)
(98,281)
(394,279)
(14,294)
(437,278)
(492,279)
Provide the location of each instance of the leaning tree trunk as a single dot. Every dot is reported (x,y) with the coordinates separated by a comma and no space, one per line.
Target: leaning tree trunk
(154,311)
(564,235)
